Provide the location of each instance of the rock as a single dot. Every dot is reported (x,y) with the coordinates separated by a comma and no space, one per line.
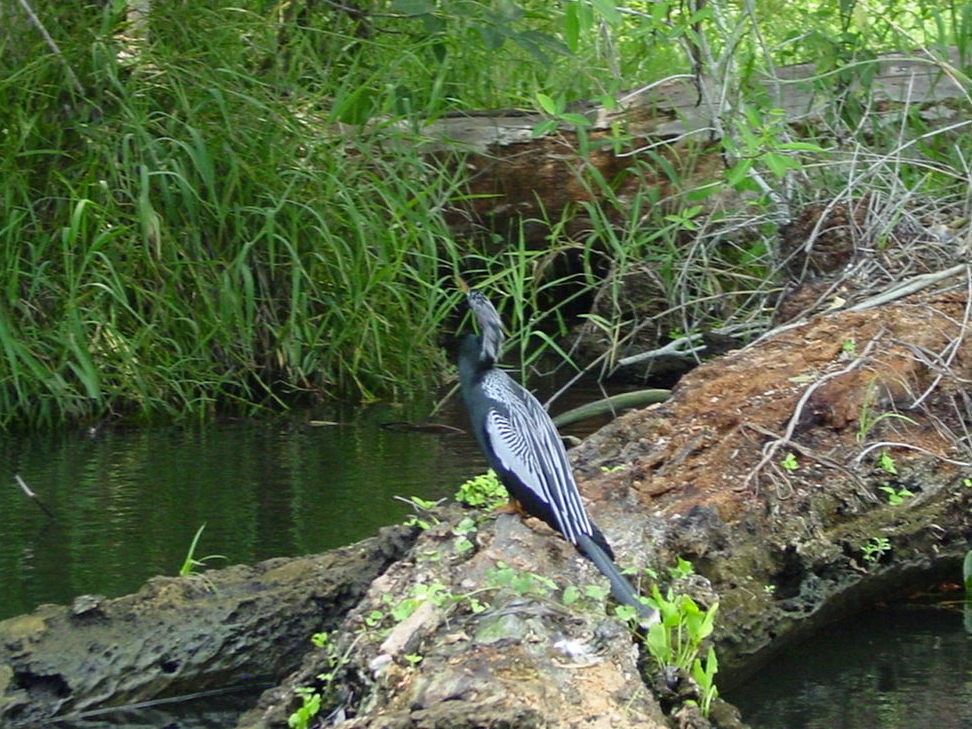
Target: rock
(180,636)
(762,470)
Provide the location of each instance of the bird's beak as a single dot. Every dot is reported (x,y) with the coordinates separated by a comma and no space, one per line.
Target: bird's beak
(463,286)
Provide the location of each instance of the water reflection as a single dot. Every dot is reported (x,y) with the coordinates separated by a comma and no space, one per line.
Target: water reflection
(894,669)
(129,502)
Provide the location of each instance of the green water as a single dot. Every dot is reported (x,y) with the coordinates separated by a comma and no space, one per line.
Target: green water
(127,503)
(900,668)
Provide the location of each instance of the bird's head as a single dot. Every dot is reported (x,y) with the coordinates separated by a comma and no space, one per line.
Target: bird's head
(490,325)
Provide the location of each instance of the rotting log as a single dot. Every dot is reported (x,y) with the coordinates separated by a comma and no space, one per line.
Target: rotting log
(700,477)
(179,636)
(471,628)
(517,180)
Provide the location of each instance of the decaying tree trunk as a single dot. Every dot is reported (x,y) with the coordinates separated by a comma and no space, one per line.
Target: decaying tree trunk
(671,124)
(492,623)
(783,549)
(179,636)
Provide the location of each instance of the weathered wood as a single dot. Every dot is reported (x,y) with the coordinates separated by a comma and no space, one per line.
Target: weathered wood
(179,636)
(697,477)
(674,107)
(516,178)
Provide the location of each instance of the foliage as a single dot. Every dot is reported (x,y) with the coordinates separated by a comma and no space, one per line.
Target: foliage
(895,496)
(521,583)
(423,517)
(676,641)
(484,490)
(312,698)
(191,563)
(239,211)
(195,239)
(704,674)
(875,548)
(886,462)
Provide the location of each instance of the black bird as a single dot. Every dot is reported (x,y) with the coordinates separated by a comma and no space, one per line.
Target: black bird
(523,447)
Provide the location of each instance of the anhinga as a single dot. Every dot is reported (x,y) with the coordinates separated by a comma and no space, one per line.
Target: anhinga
(523,447)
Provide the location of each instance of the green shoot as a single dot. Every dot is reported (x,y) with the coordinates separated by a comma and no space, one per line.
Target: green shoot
(875,548)
(190,564)
(484,491)
(895,496)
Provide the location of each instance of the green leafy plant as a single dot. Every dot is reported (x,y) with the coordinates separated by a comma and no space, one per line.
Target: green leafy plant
(895,496)
(435,593)
(682,569)
(463,531)
(191,564)
(556,109)
(886,462)
(789,462)
(875,548)
(484,491)
(423,517)
(309,708)
(522,583)
(312,698)
(676,639)
(704,674)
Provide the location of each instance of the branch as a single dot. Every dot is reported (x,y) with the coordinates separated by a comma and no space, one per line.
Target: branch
(52,45)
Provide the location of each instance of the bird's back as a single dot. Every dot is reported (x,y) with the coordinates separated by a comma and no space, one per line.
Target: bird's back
(523,446)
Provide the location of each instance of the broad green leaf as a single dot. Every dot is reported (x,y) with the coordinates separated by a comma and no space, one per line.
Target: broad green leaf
(607,10)
(548,104)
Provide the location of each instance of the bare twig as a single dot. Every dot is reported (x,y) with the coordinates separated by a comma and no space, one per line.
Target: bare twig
(681,347)
(52,45)
(910,286)
(31,495)
(896,444)
(953,347)
(770,448)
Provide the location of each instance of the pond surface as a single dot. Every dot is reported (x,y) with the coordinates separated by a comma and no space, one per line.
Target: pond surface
(898,668)
(128,502)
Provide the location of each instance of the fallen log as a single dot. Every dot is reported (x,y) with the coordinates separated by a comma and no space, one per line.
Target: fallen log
(762,470)
(181,635)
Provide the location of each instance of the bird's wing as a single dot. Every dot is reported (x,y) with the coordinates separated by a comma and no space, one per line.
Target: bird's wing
(528,447)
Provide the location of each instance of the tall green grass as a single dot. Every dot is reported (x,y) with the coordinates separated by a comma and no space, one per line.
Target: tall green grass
(205,222)
(186,238)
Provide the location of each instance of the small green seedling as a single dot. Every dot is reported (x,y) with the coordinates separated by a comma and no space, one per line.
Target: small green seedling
(484,491)
(875,548)
(789,462)
(423,517)
(190,564)
(886,462)
(895,496)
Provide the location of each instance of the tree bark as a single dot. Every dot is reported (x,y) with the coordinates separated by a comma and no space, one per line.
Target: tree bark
(181,635)
(472,625)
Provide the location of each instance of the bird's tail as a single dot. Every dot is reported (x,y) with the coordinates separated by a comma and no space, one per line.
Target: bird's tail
(620,587)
